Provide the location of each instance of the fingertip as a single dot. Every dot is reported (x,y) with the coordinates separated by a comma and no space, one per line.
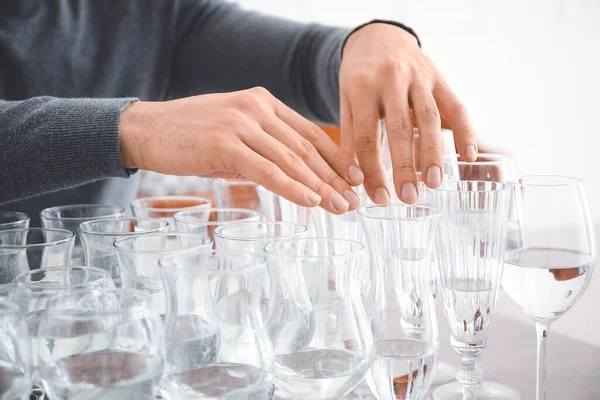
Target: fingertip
(381,196)
(409,193)
(313,198)
(355,176)
(470,153)
(433,176)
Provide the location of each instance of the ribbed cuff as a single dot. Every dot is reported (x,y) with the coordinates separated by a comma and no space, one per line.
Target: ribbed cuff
(381,21)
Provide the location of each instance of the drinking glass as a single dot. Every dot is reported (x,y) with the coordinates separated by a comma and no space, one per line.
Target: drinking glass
(32,291)
(553,267)
(101,344)
(22,250)
(139,255)
(251,237)
(277,208)
(236,193)
(15,354)
(164,207)
(71,216)
(204,222)
(217,346)
(471,243)
(13,220)
(406,338)
(320,332)
(98,237)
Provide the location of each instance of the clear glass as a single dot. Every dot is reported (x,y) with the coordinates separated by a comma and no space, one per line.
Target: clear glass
(98,237)
(251,237)
(101,344)
(471,244)
(165,207)
(550,271)
(69,217)
(204,222)
(317,322)
(13,220)
(139,255)
(217,344)
(22,250)
(491,168)
(236,193)
(32,292)
(406,334)
(15,354)
(277,208)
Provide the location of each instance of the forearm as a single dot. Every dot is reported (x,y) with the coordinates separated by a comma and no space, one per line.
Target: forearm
(48,144)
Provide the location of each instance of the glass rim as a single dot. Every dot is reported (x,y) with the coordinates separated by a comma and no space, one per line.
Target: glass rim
(177,217)
(44,213)
(143,303)
(163,224)
(69,237)
(236,182)
(455,159)
(135,203)
(566,181)
(17,214)
(501,186)
(213,254)
(217,232)
(32,285)
(206,241)
(437,212)
(359,249)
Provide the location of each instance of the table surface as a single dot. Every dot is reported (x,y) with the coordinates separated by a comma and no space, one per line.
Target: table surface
(510,359)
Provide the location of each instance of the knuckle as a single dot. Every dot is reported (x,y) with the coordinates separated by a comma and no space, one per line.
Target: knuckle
(306,149)
(460,111)
(393,66)
(367,144)
(362,79)
(429,112)
(246,100)
(291,159)
(319,186)
(401,128)
(314,132)
(268,170)
(404,167)
(260,92)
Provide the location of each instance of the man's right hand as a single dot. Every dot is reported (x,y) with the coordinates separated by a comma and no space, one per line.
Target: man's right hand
(247,134)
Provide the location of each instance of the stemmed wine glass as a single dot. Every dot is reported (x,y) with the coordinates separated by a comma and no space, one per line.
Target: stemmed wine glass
(551,269)
(471,243)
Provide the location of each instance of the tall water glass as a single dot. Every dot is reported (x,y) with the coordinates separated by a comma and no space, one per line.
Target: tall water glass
(236,193)
(277,208)
(101,344)
(251,237)
(471,244)
(22,250)
(165,207)
(33,291)
(406,340)
(320,331)
(15,354)
(98,237)
(13,220)
(204,222)
(217,346)
(71,216)
(550,271)
(139,255)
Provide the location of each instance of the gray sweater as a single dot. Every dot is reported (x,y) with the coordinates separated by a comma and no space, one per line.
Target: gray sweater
(68,68)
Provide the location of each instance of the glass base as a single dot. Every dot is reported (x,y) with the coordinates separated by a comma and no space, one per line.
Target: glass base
(487,391)
(444,373)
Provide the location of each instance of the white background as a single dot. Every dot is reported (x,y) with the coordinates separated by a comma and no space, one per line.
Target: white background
(528,72)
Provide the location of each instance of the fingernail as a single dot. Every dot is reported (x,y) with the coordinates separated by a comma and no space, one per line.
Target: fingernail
(338,202)
(313,198)
(434,176)
(352,199)
(382,196)
(355,175)
(409,192)
(471,152)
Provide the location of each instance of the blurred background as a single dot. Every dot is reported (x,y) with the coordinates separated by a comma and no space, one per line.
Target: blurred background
(528,73)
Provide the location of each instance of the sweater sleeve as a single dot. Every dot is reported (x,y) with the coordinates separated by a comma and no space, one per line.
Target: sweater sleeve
(47,144)
(225,48)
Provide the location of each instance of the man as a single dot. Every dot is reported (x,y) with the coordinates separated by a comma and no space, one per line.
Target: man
(222,92)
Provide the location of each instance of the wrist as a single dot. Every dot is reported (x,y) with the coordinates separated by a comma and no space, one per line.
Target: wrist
(132,128)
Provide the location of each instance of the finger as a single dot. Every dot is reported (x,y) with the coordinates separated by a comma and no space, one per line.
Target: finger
(367,139)
(268,146)
(453,111)
(347,142)
(401,138)
(430,135)
(267,174)
(311,158)
(342,163)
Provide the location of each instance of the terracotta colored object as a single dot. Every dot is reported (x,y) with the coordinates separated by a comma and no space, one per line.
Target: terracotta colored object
(566,273)
(333,132)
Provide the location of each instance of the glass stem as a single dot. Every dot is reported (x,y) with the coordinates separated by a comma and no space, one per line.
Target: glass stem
(470,374)
(542,346)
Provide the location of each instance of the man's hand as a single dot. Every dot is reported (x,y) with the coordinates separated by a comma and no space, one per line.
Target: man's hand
(246,134)
(384,74)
